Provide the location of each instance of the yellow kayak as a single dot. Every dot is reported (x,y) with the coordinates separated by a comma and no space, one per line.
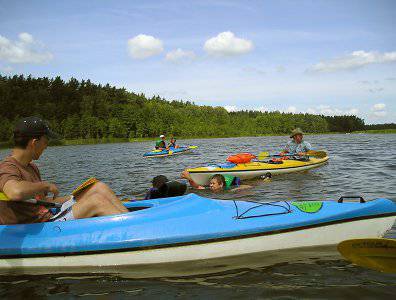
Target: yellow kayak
(202,175)
(377,254)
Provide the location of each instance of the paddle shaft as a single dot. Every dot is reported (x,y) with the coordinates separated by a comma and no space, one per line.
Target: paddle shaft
(3,197)
(314,153)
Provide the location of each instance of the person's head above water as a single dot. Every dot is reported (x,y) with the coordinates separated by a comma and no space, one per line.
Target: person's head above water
(159,181)
(163,188)
(217,183)
(162,137)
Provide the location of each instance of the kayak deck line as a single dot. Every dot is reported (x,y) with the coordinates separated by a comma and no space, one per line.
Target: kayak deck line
(206,241)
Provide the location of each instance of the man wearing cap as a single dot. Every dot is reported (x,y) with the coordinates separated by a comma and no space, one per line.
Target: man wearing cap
(161,144)
(20,179)
(297,145)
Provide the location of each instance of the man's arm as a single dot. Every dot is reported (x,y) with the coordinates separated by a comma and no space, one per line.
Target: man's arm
(20,190)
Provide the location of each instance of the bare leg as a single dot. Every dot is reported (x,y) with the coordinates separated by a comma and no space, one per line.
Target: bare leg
(101,189)
(93,206)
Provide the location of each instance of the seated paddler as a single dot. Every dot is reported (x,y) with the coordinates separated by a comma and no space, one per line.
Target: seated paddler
(297,146)
(172,143)
(20,179)
(161,144)
(218,183)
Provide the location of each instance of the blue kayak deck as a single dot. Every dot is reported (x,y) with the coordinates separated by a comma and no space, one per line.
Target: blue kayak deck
(178,220)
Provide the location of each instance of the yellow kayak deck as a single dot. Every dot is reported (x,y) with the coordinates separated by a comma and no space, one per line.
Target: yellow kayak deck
(254,166)
(202,175)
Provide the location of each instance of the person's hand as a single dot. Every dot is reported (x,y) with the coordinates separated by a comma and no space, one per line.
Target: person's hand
(301,153)
(53,189)
(185,174)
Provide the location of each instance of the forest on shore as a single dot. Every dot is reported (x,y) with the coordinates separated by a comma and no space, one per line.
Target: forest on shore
(84,110)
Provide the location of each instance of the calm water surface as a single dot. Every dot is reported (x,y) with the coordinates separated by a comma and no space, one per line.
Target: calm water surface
(359,165)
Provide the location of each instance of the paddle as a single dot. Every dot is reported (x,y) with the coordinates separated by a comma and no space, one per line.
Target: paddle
(318,154)
(89,182)
(3,197)
(374,253)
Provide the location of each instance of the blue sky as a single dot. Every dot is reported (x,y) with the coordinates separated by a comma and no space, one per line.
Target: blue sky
(329,57)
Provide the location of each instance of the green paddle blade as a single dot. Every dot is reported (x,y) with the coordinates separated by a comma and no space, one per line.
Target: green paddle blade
(192,147)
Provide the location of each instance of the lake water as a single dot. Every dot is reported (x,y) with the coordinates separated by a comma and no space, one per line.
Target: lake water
(359,164)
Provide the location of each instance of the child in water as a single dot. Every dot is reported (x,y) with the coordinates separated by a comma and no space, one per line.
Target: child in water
(218,183)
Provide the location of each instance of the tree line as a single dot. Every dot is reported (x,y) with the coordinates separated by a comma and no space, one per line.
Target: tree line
(82,109)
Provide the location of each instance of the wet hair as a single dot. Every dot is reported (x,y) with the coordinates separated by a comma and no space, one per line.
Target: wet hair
(159,181)
(219,178)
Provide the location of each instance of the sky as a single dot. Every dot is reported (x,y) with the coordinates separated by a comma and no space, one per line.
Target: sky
(324,57)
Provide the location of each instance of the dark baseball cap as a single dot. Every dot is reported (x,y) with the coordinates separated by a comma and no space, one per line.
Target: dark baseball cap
(33,127)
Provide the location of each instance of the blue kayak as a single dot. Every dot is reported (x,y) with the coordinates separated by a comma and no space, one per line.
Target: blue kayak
(171,151)
(187,228)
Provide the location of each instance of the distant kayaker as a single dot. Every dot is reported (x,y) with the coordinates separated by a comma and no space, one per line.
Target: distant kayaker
(217,183)
(297,145)
(20,179)
(172,143)
(161,144)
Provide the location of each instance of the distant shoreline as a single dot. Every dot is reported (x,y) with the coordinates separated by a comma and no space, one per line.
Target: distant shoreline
(91,141)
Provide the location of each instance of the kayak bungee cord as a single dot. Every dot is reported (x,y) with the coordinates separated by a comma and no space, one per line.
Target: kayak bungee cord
(241,216)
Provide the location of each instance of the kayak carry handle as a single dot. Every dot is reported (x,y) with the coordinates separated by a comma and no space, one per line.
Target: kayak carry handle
(341,200)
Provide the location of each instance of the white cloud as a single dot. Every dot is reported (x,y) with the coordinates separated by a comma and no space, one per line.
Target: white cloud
(24,50)
(227,44)
(378,110)
(311,111)
(291,109)
(143,46)
(261,109)
(332,111)
(180,55)
(231,108)
(379,106)
(356,59)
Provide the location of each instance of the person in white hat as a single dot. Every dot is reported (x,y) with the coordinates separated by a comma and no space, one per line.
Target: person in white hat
(161,144)
(297,145)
